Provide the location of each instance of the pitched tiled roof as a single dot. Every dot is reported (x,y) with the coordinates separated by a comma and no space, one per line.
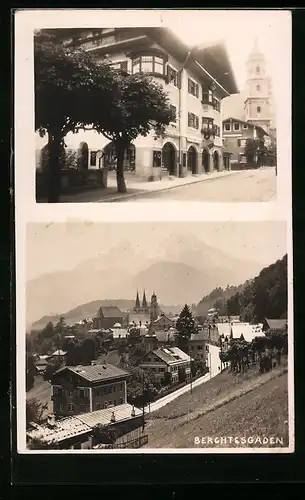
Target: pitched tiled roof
(171,355)
(249,331)
(276,324)
(201,335)
(96,373)
(63,429)
(111,312)
(59,352)
(121,413)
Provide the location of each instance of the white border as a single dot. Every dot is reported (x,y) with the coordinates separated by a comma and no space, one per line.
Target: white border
(27,210)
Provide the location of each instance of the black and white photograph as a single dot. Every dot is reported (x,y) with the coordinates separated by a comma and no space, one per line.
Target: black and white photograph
(147,336)
(184,112)
(162,327)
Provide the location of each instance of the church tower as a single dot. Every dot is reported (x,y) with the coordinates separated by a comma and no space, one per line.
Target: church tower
(137,307)
(154,308)
(144,303)
(258,103)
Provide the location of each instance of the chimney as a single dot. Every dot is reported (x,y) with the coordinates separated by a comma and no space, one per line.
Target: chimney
(112,420)
(51,420)
(93,362)
(133,413)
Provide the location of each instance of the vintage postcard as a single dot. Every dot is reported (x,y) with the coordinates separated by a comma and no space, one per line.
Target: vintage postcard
(159,327)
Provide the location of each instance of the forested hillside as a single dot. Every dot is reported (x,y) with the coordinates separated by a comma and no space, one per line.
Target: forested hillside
(261,297)
(264,296)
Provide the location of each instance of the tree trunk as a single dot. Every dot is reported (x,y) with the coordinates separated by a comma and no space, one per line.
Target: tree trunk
(120,150)
(53,188)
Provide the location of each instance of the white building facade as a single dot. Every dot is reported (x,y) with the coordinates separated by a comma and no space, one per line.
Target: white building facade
(196,83)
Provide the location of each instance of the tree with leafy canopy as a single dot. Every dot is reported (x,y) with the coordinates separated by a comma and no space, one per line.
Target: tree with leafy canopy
(185,326)
(69,88)
(104,434)
(139,105)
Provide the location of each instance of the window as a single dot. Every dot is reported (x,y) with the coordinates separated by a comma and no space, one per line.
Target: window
(227,126)
(114,388)
(157,158)
(173,76)
(236,126)
(93,158)
(258,109)
(70,407)
(174,111)
(245,126)
(199,347)
(207,96)
(161,370)
(193,88)
(216,104)
(123,66)
(207,123)
(238,143)
(257,69)
(258,87)
(148,64)
(193,121)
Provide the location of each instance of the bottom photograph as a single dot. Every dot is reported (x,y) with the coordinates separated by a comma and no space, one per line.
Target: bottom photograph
(157,335)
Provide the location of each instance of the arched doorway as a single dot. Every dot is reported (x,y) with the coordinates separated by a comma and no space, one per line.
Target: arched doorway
(169,158)
(83,156)
(110,157)
(206,160)
(192,160)
(216,161)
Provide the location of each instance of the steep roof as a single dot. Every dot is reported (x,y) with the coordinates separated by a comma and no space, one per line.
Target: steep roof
(276,324)
(96,373)
(171,355)
(248,331)
(245,123)
(110,312)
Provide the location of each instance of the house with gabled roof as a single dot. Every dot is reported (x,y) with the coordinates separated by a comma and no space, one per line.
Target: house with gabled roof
(274,324)
(107,316)
(82,389)
(235,134)
(166,359)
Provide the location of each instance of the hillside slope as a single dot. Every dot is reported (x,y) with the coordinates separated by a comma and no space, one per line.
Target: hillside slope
(237,406)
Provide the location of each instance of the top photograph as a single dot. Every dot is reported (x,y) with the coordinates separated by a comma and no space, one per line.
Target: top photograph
(156,114)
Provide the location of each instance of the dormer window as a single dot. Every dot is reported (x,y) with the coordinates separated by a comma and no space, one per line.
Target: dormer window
(148,64)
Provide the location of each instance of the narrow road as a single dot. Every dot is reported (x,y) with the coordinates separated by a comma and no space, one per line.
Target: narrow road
(248,186)
(213,360)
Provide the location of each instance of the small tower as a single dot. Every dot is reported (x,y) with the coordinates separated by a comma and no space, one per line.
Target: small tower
(144,303)
(154,308)
(258,103)
(137,307)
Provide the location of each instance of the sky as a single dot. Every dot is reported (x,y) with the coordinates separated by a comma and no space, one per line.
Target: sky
(238,29)
(62,246)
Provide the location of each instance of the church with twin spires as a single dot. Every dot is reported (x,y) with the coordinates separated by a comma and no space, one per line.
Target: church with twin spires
(144,313)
